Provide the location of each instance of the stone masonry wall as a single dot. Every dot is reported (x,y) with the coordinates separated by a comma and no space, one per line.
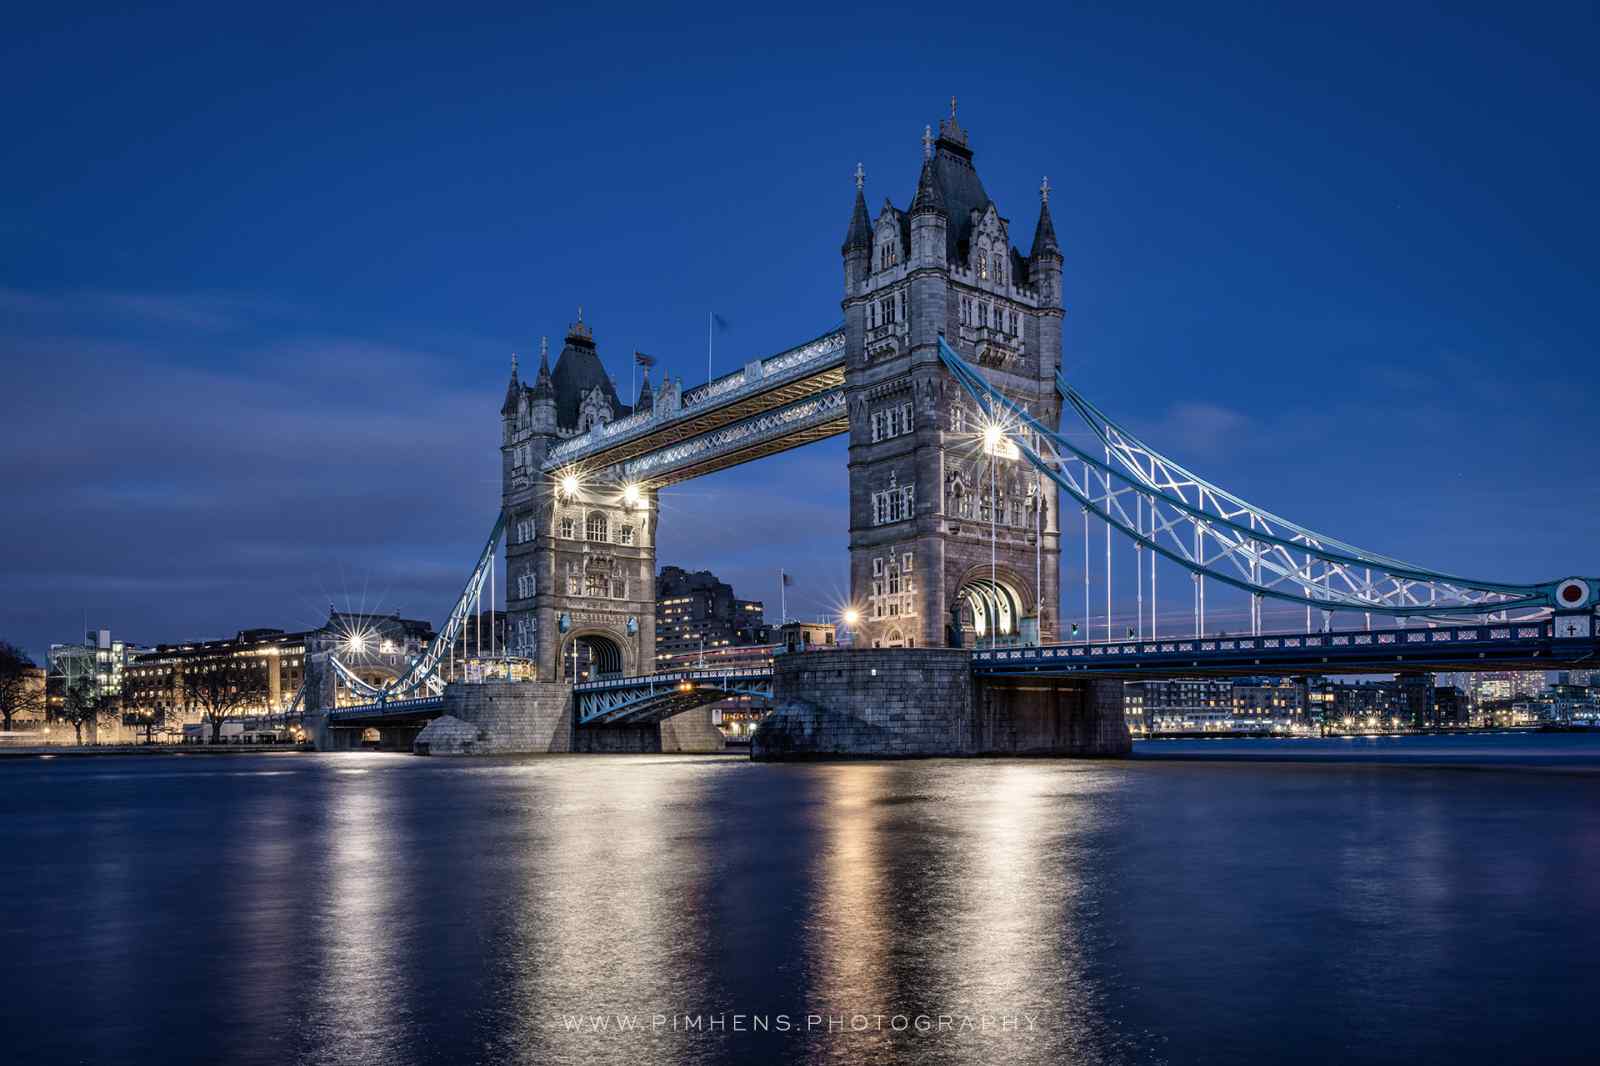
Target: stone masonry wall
(899,702)
(514,717)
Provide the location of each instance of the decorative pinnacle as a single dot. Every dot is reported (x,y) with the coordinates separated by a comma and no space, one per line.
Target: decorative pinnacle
(861,177)
(513,364)
(544,349)
(1044,190)
(927,142)
(580,312)
(952,109)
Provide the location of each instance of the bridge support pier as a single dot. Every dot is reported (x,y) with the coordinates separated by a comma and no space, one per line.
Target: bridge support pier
(688,733)
(900,702)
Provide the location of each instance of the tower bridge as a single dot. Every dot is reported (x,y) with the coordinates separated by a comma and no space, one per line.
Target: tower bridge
(946,376)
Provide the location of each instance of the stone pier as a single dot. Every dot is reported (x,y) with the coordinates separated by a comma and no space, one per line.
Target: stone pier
(907,702)
(535,717)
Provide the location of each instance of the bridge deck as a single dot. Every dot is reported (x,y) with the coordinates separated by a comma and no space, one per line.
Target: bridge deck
(1493,646)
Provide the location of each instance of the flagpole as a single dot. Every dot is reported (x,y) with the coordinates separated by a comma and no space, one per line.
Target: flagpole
(783,597)
(711,318)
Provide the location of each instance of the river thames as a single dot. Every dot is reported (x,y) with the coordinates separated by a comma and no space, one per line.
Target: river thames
(1425,899)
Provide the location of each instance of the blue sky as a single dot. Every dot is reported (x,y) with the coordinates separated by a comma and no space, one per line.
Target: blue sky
(263,273)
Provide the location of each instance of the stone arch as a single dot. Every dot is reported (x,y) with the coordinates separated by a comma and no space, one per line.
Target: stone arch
(991,606)
(588,654)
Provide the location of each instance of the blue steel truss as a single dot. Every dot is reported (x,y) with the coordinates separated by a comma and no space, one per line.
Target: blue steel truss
(653,697)
(1164,508)
(676,421)
(422,675)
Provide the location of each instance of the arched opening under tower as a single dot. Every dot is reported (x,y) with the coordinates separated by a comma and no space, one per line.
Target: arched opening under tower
(991,610)
(587,656)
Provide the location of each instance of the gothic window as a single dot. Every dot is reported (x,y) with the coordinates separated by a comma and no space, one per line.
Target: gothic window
(958,418)
(625,533)
(983,266)
(595,528)
(595,584)
(525,585)
(877,567)
(905,562)
(894,579)
(893,505)
(892,421)
(998,276)
(619,588)
(572,583)
(567,530)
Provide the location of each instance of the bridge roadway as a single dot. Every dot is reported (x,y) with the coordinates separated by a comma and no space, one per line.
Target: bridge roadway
(1488,646)
(1485,646)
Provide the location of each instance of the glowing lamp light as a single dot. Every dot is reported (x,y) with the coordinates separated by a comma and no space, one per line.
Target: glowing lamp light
(631,494)
(569,485)
(356,644)
(992,436)
(851,616)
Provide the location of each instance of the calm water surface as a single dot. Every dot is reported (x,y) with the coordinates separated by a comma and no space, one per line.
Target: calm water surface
(1343,901)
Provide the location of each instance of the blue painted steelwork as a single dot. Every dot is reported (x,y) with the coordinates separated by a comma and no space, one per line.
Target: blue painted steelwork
(422,673)
(608,442)
(420,707)
(1217,535)
(1484,646)
(653,697)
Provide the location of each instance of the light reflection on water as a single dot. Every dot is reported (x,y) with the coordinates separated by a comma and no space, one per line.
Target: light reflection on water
(441,911)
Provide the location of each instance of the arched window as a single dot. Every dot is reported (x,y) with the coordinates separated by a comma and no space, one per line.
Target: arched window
(567,531)
(596,526)
(998,276)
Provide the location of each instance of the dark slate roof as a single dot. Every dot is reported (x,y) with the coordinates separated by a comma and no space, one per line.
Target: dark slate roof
(959,183)
(1044,235)
(859,235)
(577,371)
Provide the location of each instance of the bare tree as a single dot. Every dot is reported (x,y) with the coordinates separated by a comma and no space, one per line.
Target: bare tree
(19,694)
(224,692)
(82,704)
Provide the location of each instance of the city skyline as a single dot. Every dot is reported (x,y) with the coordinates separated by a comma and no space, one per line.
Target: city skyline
(225,413)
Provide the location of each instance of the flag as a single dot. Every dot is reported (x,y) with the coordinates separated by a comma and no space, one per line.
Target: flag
(722,324)
(644,360)
(788,582)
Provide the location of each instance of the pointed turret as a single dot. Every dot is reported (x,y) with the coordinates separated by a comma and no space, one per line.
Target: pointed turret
(542,397)
(542,384)
(929,197)
(859,236)
(1044,234)
(513,391)
(646,400)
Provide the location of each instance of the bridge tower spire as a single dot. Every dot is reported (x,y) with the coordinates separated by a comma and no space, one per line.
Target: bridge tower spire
(927,566)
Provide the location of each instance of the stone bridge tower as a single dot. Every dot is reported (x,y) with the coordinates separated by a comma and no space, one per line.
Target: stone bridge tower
(580,546)
(920,478)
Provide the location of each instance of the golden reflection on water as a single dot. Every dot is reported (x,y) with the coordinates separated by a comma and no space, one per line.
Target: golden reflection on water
(977,858)
(612,910)
(359,1013)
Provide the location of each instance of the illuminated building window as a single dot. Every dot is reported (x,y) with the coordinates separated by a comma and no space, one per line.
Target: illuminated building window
(596,526)
(625,534)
